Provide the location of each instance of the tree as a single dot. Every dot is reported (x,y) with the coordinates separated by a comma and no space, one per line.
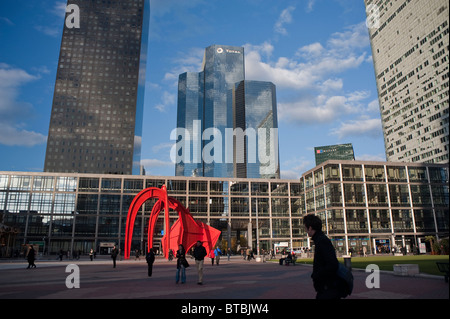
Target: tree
(432,240)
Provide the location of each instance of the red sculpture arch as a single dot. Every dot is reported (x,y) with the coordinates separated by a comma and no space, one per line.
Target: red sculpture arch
(185,230)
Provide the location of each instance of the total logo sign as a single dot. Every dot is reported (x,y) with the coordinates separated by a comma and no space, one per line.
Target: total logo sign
(221,50)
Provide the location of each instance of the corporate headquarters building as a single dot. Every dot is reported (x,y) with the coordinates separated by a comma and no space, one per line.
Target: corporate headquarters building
(226,126)
(96,118)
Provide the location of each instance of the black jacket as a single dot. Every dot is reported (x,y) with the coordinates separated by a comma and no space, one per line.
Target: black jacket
(199,253)
(181,258)
(325,263)
(150,257)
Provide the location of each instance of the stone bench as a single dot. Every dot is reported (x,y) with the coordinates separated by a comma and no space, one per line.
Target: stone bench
(406,269)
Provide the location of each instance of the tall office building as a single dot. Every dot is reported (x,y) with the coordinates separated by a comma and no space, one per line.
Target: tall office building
(255,154)
(189,124)
(212,104)
(96,118)
(334,152)
(410,48)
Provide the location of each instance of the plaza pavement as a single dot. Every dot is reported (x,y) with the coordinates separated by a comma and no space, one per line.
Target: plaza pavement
(236,280)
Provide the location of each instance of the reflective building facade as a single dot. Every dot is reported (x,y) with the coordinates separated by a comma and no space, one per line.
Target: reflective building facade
(189,124)
(223,66)
(97,111)
(255,113)
(215,102)
(362,204)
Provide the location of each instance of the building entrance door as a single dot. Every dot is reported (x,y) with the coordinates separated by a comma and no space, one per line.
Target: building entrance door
(382,246)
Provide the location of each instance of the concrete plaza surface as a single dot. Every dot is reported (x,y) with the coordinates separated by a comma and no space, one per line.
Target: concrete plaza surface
(232,280)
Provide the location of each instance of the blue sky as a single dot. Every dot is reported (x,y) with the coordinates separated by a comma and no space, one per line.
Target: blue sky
(316,52)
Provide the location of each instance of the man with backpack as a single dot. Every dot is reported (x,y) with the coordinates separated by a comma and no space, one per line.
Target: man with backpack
(326,281)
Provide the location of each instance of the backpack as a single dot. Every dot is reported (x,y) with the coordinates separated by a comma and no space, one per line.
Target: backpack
(345,281)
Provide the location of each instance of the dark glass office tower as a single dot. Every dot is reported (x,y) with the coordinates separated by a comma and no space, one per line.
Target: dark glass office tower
(255,114)
(96,119)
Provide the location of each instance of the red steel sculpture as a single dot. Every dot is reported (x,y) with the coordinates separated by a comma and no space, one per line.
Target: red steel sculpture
(185,230)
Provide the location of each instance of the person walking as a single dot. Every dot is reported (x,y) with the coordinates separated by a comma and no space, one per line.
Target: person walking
(212,255)
(325,264)
(31,257)
(114,253)
(182,264)
(199,255)
(91,254)
(150,258)
(217,253)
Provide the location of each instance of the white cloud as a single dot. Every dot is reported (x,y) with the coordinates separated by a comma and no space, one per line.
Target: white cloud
(59,8)
(152,163)
(12,136)
(318,109)
(373,106)
(167,100)
(310,5)
(285,18)
(355,36)
(371,157)
(367,127)
(6,21)
(12,111)
(294,168)
(190,61)
(155,166)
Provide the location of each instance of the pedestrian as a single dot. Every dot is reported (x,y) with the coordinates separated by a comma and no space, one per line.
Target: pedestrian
(211,255)
(199,255)
(114,253)
(182,264)
(31,256)
(137,255)
(217,253)
(91,254)
(150,258)
(325,264)
(61,253)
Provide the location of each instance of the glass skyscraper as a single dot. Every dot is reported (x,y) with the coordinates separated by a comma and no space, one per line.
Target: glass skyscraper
(212,104)
(96,118)
(255,111)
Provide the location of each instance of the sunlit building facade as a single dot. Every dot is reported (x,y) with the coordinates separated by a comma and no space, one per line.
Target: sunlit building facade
(378,205)
(362,204)
(410,49)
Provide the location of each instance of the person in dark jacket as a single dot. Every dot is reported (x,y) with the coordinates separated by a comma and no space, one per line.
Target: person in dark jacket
(199,255)
(181,264)
(114,253)
(31,258)
(150,258)
(325,263)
